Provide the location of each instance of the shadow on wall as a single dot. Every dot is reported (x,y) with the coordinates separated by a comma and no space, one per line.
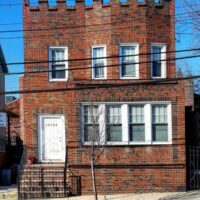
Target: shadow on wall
(192,195)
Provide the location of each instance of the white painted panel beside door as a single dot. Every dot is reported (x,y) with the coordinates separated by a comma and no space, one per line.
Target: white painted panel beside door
(51,138)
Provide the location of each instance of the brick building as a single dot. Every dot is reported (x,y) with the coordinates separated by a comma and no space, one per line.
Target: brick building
(3,139)
(145,150)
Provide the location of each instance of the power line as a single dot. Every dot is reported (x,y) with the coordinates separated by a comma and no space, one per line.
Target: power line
(106,66)
(103,86)
(11,4)
(181,33)
(192,5)
(105,57)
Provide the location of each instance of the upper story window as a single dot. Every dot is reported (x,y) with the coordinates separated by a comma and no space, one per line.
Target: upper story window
(158,66)
(59,65)
(129,58)
(99,70)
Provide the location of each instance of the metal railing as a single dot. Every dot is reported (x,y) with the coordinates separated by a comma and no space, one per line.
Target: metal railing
(3,144)
(37,181)
(194,167)
(20,169)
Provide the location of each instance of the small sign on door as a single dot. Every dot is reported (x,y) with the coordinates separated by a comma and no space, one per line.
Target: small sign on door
(3,119)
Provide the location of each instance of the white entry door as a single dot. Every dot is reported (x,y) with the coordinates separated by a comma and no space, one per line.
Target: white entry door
(52,139)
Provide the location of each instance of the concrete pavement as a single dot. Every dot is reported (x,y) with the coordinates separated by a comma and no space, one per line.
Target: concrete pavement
(194,195)
(11,194)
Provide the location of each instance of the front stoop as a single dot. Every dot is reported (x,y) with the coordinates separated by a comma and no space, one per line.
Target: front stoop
(9,193)
(44,181)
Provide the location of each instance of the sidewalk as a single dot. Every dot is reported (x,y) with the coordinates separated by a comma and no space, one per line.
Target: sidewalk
(8,193)
(150,196)
(192,195)
(11,194)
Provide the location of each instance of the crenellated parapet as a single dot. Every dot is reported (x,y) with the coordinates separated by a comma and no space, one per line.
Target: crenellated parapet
(64,3)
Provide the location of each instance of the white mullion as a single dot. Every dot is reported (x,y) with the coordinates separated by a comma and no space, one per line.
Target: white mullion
(164,63)
(102,122)
(125,123)
(169,120)
(148,123)
(105,62)
(82,124)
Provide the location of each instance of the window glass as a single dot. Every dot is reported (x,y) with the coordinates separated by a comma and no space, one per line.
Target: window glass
(58,63)
(136,125)
(98,52)
(114,125)
(157,63)
(91,124)
(160,124)
(128,67)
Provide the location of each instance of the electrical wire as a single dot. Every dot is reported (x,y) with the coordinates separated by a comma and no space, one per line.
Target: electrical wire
(105,66)
(105,57)
(103,86)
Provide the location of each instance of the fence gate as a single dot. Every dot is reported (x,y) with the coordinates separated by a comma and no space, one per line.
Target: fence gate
(194,167)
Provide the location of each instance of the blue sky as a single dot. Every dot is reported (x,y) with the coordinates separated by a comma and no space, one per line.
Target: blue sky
(13,48)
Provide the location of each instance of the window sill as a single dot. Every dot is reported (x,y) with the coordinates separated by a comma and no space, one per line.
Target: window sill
(103,78)
(129,78)
(162,143)
(155,77)
(128,143)
(58,80)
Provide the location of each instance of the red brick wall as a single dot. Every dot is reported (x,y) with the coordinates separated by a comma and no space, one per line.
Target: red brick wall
(121,169)
(13,110)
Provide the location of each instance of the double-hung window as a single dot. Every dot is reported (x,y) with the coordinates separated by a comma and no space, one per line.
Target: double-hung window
(136,123)
(158,66)
(129,59)
(58,64)
(114,123)
(99,62)
(159,123)
(91,123)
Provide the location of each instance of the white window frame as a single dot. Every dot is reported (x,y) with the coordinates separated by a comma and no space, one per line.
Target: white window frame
(50,63)
(125,122)
(136,45)
(163,57)
(105,62)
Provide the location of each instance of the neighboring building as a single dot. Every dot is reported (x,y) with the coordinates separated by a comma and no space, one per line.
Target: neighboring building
(15,144)
(10,99)
(13,130)
(146,149)
(3,139)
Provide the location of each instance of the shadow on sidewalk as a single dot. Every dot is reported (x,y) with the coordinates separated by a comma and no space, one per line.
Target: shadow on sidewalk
(193,195)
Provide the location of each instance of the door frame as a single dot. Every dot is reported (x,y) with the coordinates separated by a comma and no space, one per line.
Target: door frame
(40,138)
